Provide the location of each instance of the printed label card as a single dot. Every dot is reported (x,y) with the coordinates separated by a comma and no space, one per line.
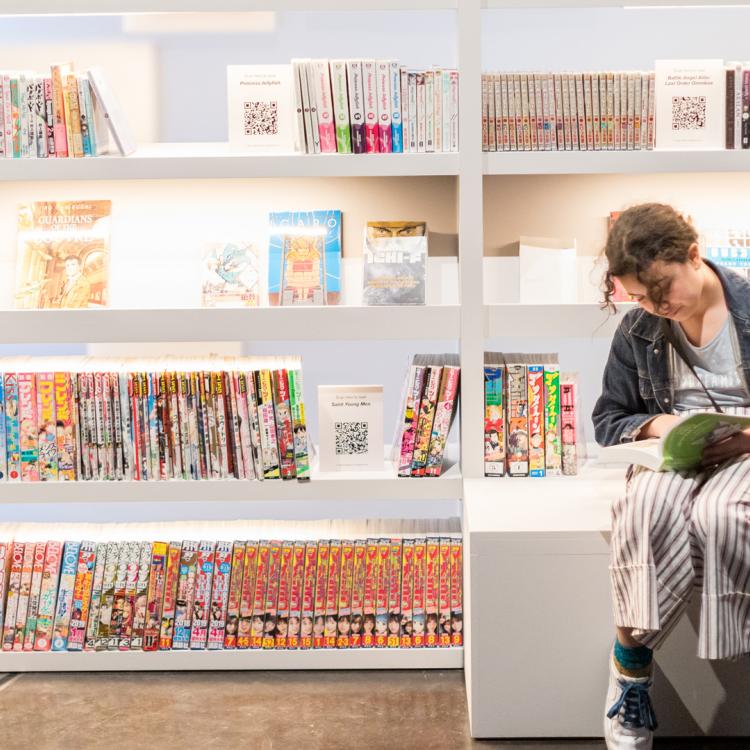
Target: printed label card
(351,427)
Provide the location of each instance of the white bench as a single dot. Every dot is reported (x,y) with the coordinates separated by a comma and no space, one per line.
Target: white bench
(539,625)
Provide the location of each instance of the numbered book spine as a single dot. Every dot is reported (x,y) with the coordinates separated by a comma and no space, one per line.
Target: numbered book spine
(432,602)
(156,583)
(382,594)
(603,110)
(581,112)
(61,628)
(446,106)
(174,434)
(223,429)
(40,119)
(552,432)
(125,602)
(330,627)
(444,593)
(623,111)
(189,425)
(498,97)
(111,568)
(247,595)
(45,391)
(453,79)
(385,106)
(568,428)
(308,596)
(300,69)
(295,595)
(397,125)
(301,450)
(308,73)
(234,596)
(49,117)
(13,592)
(48,596)
(539,108)
(259,599)
(27,572)
(343,636)
(405,118)
(140,609)
(95,606)
(369,79)
(427,408)
(369,601)
(323,97)
(12,428)
(202,601)
(73,112)
(281,636)
(447,398)
(28,431)
(535,380)
(394,595)
(411,416)
(517,452)
(358,594)
(269,446)
(644,110)
(239,398)
(429,94)
(559,120)
(284,426)
(567,120)
(588,105)
(321,582)
(356,105)
(407,593)
(617,92)
(3,443)
(412,107)
(494,422)
(575,140)
(217,625)
(610,111)
(418,602)
(421,113)
(185,600)
(255,431)
(341,106)
(548,98)
(234,448)
(596,109)
(652,109)
(631,110)
(300,140)
(457,613)
(169,606)
(82,596)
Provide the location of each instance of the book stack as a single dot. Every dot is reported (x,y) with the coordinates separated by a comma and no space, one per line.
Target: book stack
(601,111)
(429,406)
(373,106)
(59,115)
(145,421)
(530,416)
(388,592)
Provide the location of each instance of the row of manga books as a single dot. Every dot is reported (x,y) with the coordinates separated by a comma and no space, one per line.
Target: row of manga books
(147,420)
(428,408)
(530,416)
(149,596)
(58,114)
(374,106)
(601,111)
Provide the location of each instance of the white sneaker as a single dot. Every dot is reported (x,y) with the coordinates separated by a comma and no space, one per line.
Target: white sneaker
(629,719)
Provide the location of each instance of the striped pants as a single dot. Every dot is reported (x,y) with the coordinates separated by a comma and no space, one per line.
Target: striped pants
(673,532)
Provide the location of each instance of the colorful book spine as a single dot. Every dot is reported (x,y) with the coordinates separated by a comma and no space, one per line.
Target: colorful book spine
(268,434)
(385,106)
(568,428)
(169,605)
(111,567)
(444,594)
(369,80)
(6,549)
(457,619)
(3,442)
(47,426)
(494,422)
(517,450)
(234,594)
(262,579)
(247,595)
(417,375)
(432,572)
(156,584)
(427,408)
(202,602)
(217,626)
(330,628)
(341,106)
(323,96)
(13,591)
(552,431)
(358,593)
(185,600)
(356,105)
(307,605)
(394,594)
(68,570)
(407,593)
(321,579)
(81,596)
(284,425)
(27,572)
(369,599)
(97,587)
(281,635)
(397,125)
(418,601)
(535,381)
(12,428)
(446,403)
(296,591)
(140,608)
(344,621)
(28,431)
(296,400)
(382,594)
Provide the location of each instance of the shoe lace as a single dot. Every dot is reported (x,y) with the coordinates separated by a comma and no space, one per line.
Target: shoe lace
(633,708)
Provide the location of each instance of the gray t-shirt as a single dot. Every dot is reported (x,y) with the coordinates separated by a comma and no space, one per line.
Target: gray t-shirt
(717,366)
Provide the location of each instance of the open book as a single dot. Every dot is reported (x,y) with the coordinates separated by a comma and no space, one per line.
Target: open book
(682,447)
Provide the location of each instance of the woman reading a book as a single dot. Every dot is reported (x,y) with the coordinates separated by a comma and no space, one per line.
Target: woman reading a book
(686,348)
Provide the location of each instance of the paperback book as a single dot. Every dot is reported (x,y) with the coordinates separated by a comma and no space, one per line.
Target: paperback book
(231,275)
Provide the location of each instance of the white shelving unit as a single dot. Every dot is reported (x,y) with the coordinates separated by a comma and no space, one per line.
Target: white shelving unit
(501,517)
(250,324)
(135,661)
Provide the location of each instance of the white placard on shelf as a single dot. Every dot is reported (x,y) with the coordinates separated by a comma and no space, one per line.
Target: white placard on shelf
(548,271)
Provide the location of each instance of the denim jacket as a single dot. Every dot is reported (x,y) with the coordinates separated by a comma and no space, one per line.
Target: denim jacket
(637,384)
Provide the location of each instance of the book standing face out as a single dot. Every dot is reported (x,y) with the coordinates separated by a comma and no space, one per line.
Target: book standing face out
(231,275)
(63,254)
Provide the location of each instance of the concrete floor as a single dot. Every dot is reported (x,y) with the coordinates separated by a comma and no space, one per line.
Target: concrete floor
(402,710)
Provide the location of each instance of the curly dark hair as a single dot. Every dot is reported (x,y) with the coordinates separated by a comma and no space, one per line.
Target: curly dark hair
(641,235)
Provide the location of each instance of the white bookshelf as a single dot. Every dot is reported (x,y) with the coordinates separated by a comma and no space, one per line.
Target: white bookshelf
(337,322)
(505,4)
(613,162)
(99,7)
(164,161)
(136,661)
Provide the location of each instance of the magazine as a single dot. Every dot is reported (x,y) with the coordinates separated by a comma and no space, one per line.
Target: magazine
(231,275)
(304,258)
(395,262)
(63,254)
(681,448)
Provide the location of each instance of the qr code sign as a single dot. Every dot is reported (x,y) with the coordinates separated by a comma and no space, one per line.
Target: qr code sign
(351,438)
(261,118)
(688,112)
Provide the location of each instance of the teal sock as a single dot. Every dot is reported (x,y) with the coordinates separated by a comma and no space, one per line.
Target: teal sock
(635,659)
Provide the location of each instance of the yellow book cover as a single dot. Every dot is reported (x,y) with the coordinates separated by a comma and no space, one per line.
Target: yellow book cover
(63,254)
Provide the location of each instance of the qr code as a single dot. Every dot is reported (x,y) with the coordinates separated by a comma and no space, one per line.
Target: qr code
(261,118)
(351,438)
(688,112)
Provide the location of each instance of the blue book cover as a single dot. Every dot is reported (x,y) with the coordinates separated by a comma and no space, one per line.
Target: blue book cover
(304,258)
(61,629)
